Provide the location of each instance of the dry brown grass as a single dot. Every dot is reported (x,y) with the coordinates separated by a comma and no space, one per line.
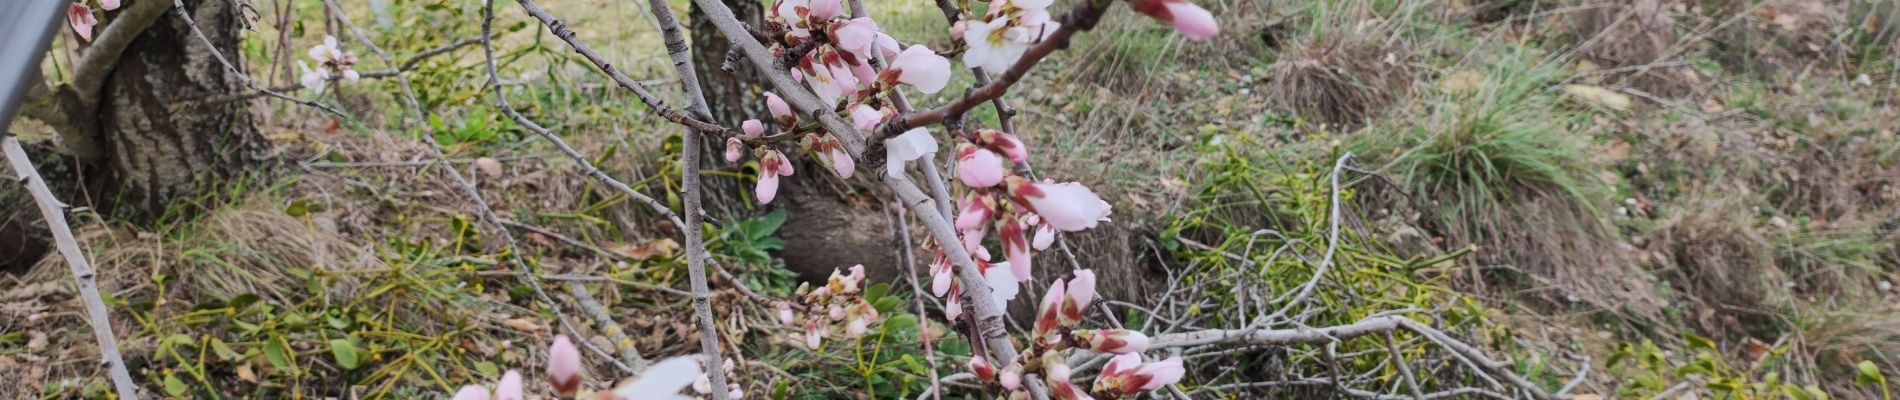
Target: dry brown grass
(1638,40)
(1342,78)
(1718,259)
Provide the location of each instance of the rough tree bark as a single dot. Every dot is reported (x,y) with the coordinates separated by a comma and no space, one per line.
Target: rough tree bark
(160,157)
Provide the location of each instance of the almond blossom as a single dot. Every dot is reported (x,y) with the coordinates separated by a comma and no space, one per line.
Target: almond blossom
(988,48)
(109,5)
(921,68)
(662,381)
(1065,206)
(1126,375)
(771,166)
(979,167)
(910,145)
(80,17)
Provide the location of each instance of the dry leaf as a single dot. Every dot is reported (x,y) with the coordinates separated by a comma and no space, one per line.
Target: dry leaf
(1599,96)
(524,324)
(245,373)
(488,167)
(650,249)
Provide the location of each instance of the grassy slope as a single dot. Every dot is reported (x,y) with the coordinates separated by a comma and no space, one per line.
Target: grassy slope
(1755,208)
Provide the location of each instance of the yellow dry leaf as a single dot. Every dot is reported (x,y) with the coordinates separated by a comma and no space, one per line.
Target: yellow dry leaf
(245,373)
(523,324)
(650,249)
(1599,96)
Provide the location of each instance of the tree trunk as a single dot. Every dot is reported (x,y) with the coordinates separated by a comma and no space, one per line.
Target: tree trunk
(162,160)
(732,96)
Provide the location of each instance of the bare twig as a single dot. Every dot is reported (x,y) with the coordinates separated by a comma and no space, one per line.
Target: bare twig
(628,354)
(239,73)
(1398,360)
(561,30)
(406,66)
(55,215)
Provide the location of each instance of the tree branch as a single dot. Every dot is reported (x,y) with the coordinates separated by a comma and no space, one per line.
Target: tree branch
(55,215)
(561,30)
(794,94)
(89,74)
(690,186)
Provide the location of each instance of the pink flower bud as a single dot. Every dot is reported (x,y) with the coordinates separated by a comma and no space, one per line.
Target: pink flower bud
(982,368)
(109,5)
(813,336)
(1117,341)
(471,392)
(734,150)
(767,188)
(785,313)
(509,388)
(1045,235)
(781,112)
(1012,377)
(1016,247)
(752,128)
(564,367)
(865,117)
(976,211)
(842,163)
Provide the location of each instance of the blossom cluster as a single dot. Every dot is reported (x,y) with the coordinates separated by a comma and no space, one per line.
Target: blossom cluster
(661,381)
(833,56)
(332,64)
(1057,330)
(79,16)
(836,310)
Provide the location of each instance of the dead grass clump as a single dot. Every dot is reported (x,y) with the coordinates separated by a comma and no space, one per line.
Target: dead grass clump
(1778,39)
(1638,40)
(1341,78)
(1716,256)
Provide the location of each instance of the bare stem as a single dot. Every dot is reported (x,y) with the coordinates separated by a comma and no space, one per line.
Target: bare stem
(55,214)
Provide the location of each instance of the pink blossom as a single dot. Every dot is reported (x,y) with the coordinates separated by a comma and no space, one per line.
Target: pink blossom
(856,327)
(471,392)
(826,9)
(1004,284)
(921,68)
(1045,235)
(826,82)
(865,117)
(975,211)
(989,48)
(952,307)
(857,36)
(1081,292)
(887,44)
(785,313)
(1015,246)
(1161,373)
(1189,19)
(1065,206)
(979,167)
(940,278)
(841,163)
(1047,321)
(564,367)
(908,146)
(1121,365)
(80,17)
(734,149)
(1032,4)
(813,336)
(509,388)
(109,5)
(767,188)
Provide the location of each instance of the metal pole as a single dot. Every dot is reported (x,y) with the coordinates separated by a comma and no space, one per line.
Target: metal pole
(26,29)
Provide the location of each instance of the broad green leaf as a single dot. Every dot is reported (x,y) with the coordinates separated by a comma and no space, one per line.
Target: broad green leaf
(345,352)
(174,386)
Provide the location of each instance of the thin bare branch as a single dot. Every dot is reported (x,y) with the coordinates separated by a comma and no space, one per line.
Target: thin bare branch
(55,214)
